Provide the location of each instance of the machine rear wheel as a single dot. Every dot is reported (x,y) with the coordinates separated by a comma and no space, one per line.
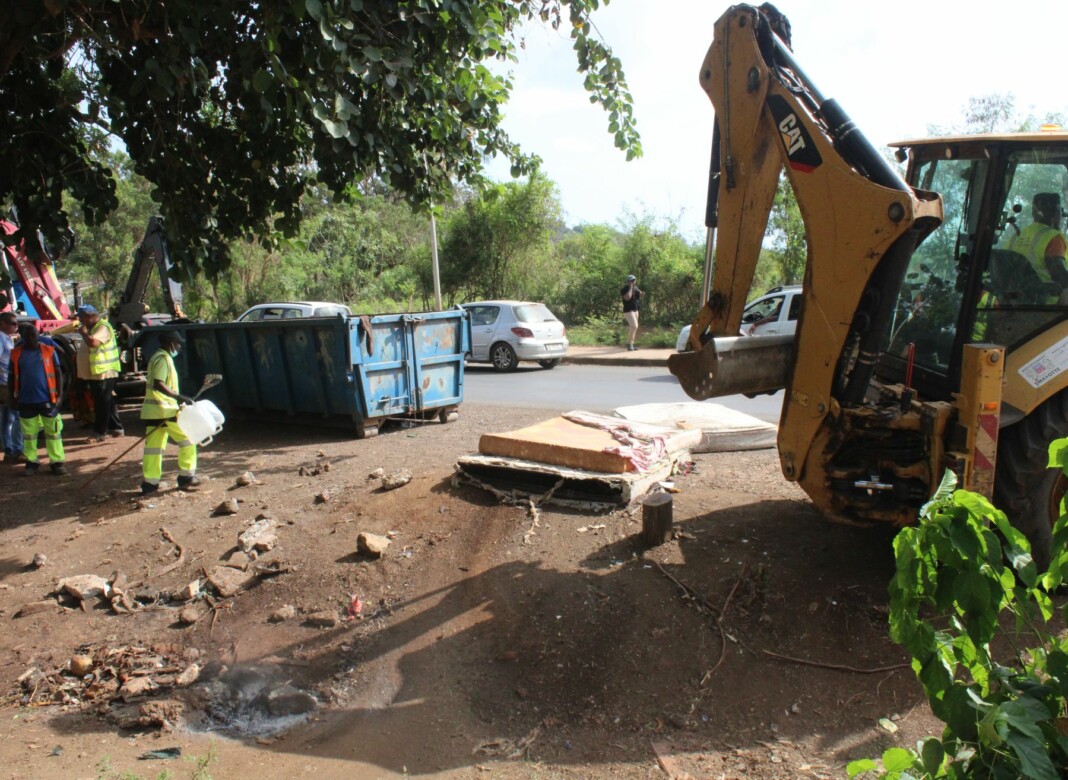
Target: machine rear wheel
(1024,488)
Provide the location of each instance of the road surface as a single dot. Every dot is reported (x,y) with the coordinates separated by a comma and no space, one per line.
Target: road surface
(595,388)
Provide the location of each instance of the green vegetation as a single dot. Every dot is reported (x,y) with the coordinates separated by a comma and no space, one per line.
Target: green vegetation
(507,241)
(988,645)
(236,111)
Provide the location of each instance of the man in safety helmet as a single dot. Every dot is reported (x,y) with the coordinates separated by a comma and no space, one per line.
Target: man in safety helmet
(1043,243)
(104,367)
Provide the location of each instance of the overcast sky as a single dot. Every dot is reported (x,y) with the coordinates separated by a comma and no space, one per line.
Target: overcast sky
(895,67)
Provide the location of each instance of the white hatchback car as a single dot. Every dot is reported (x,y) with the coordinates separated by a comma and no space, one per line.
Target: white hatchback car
(775,311)
(289,310)
(505,332)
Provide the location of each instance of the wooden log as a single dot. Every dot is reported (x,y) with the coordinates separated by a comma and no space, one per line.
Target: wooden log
(657,520)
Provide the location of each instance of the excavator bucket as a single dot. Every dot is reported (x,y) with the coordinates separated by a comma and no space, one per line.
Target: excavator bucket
(727,366)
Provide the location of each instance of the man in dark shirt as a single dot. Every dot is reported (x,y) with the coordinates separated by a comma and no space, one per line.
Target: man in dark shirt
(632,304)
(34,380)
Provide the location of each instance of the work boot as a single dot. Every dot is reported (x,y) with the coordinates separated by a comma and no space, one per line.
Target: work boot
(31,468)
(116,433)
(147,488)
(59,469)
(96,438)
(188,483)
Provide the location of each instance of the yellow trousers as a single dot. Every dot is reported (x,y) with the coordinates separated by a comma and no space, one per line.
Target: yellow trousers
(156,443)
(53,431)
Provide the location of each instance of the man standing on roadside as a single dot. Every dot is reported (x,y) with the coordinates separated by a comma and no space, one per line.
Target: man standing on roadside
(160,413)
(34,379)
(103,372)
(10,429)
(632,304)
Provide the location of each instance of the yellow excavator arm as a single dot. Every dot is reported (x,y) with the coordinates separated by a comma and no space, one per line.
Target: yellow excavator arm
(862,223)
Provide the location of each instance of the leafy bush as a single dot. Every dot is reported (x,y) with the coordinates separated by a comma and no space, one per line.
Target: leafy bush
(959,572)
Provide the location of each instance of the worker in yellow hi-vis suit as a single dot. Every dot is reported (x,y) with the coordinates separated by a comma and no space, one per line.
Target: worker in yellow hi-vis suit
(160,413)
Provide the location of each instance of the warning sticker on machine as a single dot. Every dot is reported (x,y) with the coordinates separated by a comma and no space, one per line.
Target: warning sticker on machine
(1047,364)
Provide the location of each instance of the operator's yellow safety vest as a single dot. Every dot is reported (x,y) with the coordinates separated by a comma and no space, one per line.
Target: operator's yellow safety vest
(105,357)
(987,301)
(1032,243)
(158,406)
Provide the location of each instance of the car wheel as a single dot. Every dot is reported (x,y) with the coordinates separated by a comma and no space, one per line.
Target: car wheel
(549,364)
(503,357)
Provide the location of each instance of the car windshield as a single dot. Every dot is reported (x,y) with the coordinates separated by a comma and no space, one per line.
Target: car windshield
(533,312)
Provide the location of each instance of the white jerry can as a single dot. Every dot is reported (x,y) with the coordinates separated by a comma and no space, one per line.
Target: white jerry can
(201,421)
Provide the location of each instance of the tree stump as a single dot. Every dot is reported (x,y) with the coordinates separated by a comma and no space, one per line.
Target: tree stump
(657,520)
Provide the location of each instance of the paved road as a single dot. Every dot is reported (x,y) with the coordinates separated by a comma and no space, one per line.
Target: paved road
(595,388)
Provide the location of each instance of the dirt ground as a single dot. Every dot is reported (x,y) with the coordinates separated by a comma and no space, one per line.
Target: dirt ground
(486,645)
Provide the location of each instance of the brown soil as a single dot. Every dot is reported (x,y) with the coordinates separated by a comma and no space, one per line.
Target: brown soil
(489,645)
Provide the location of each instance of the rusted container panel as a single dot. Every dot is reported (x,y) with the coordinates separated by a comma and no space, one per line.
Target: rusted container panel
(348,371)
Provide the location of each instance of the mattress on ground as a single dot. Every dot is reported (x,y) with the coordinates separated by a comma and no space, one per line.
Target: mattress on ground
(722,429)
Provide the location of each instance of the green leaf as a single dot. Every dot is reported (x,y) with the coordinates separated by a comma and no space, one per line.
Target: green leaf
(336,129)
(262,81)
(1058,454)
(933,754)
(315,8)
(860,766)
(897,759)
(1035,763)
(944,491)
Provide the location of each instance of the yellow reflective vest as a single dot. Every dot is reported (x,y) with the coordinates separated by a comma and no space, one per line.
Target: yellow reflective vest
(104,358)
(158,406)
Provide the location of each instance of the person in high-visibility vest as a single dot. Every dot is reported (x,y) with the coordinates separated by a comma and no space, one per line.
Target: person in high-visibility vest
(104,367)
(34,379)
(160,413)
(1043,243)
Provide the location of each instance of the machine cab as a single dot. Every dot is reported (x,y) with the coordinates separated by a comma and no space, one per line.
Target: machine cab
(981,276)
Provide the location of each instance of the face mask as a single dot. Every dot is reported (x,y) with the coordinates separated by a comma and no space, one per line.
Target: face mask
(173,353)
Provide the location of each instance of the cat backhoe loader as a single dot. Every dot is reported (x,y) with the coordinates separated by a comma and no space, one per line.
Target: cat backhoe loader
(929,336)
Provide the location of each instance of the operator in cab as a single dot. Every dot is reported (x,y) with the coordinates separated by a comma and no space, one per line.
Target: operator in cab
(1043,243)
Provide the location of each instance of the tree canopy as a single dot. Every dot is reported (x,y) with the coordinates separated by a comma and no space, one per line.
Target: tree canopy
(233,110)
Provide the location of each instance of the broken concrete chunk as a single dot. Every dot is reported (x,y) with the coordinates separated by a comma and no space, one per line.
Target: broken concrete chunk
(324,497)
(371,544)
(34,607)
(377,474)
(136,686)
(39,560)
(245,479)
(282,614)
(228,582)
(81,664)
(188,676)
(227,507)
(84,586)
(396,479)
(189,615)
(287,700)
(238,560)
(259,536)
(189,592)
(325,619)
